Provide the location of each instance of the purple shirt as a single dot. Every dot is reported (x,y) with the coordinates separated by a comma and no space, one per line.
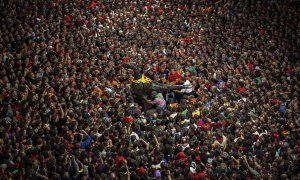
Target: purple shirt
(159,101)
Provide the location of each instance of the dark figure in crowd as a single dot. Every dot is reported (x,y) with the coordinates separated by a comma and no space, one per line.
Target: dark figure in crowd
(67,111)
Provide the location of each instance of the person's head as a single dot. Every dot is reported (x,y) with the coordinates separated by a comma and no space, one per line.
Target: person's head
(157,174)
(154,93)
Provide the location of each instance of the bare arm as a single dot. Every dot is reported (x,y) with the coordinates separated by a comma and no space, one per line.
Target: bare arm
(156,140)
(146,143)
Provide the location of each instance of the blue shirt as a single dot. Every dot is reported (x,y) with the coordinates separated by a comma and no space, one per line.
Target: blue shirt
(84,143)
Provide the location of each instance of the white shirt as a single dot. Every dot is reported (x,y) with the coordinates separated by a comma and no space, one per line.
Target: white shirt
(187,90)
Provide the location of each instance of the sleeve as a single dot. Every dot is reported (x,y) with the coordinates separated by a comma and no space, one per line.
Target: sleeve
(253,172)
(155,101)
(187,84)
(76,167)
(86,142)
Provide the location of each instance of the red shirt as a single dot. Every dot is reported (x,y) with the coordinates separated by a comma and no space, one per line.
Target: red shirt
(128,119)
(93,4)
(197,176)
(149,7)
(181,156)
(250,66)
(242,90)
(188,38)
(119,159)
(174,76)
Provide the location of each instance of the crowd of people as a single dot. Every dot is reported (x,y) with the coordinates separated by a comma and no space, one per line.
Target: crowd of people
(67,111)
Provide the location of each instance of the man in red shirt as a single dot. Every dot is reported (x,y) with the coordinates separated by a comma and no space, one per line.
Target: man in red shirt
(197,174)
(174,75)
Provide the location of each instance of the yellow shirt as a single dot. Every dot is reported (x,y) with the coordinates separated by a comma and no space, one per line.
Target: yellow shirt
(143,79)
(196,112)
